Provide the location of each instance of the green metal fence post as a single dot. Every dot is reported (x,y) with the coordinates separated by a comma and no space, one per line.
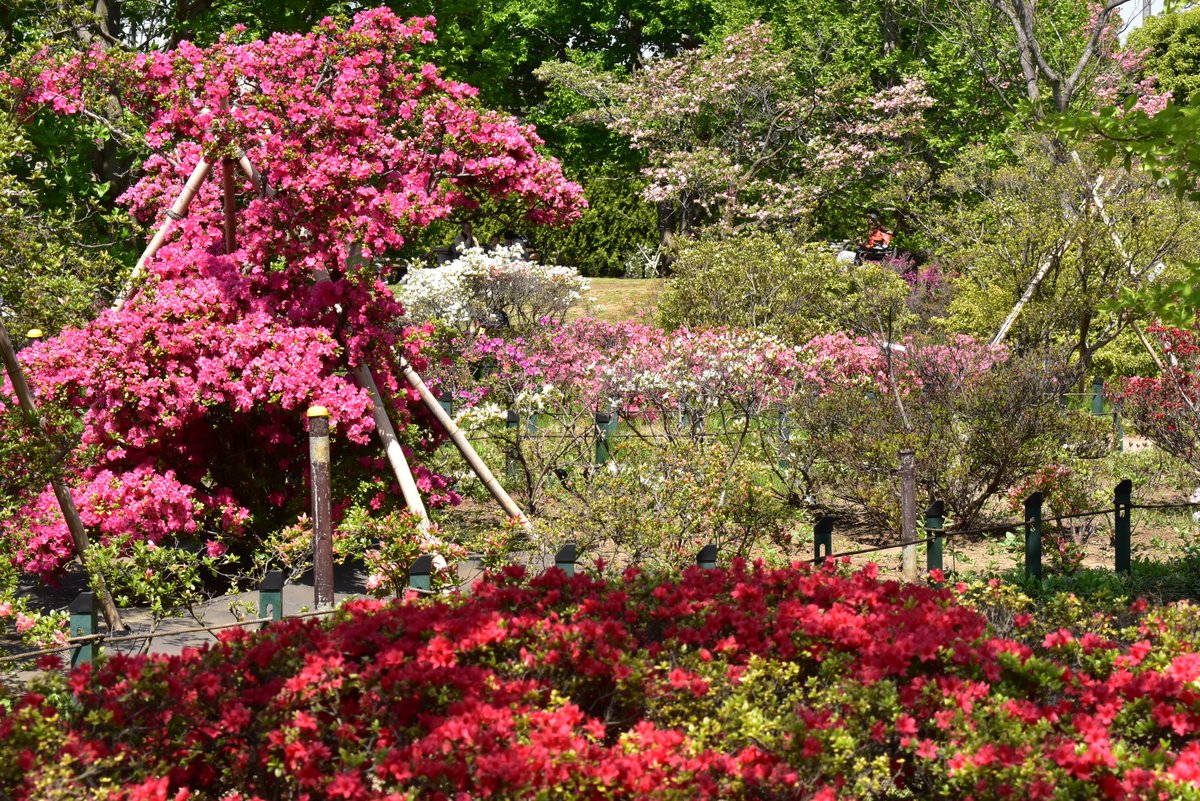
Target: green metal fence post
(565,559)
(1033,536)
(707,558)
(1122,510)
(606,424)
(420,572)
(822,539)
(270,596)
(83,624)
(935,515)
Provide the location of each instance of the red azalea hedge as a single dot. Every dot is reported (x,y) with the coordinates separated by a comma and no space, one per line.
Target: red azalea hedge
(722,684)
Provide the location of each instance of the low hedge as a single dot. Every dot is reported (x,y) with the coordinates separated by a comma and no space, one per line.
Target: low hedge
(739,683)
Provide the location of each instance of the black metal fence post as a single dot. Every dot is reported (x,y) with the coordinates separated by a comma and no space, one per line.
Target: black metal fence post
(83,624)
(1122,512)
(270,596)
(935,516)
(565,559)
(1033,536)
(420,573)
(822,539)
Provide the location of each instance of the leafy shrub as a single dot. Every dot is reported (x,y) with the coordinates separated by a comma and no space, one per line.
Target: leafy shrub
(656,507)
(732,684)
(775,283)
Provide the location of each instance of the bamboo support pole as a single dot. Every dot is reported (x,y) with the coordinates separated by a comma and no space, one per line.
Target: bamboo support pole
(256,178)
(464,446)
(175,213)
(65,502)
(391,446)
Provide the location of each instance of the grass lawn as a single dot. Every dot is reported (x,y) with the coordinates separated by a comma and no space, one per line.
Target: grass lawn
(623,298)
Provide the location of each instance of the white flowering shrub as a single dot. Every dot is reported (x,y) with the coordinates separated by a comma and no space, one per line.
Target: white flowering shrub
(499,289)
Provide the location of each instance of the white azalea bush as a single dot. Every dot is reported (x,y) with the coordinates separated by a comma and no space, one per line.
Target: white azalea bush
(497,289)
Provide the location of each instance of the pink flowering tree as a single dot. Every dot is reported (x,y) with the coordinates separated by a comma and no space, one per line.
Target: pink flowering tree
(189,401)
(1166,407)
(732,138)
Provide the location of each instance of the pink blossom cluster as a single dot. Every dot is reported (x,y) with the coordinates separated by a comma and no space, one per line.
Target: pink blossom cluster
(647,371)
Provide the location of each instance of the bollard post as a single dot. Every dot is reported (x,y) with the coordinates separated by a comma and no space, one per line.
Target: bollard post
(605,425)
(1122,511)
(1033,536)
(419,575)
(935,516)
(564,560)
(511,421)
(1097,396)
(83,624)
(908,513)
(707,558)
(322,517)
(270,596)
(822,539)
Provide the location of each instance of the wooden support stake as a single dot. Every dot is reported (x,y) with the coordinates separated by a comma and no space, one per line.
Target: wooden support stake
(176,212)
(318,453)
(391,447)
(908,513)
(229,201)
(464,447)
(65,502)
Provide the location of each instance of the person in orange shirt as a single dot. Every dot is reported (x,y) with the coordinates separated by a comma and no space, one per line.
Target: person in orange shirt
(879,238)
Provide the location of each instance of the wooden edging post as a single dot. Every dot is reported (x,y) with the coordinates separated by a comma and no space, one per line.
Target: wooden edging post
(318,453)
(66,503)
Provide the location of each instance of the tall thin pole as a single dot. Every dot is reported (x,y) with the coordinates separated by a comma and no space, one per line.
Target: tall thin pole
(66,503)
(908,513)
(229,192)
(322,515)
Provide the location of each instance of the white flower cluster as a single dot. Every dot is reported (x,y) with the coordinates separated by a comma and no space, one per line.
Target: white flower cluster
(498,288)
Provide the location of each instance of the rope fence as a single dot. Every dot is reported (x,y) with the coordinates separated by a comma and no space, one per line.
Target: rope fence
(87,640)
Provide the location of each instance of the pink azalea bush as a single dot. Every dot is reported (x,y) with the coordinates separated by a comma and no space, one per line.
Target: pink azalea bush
(190,399)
